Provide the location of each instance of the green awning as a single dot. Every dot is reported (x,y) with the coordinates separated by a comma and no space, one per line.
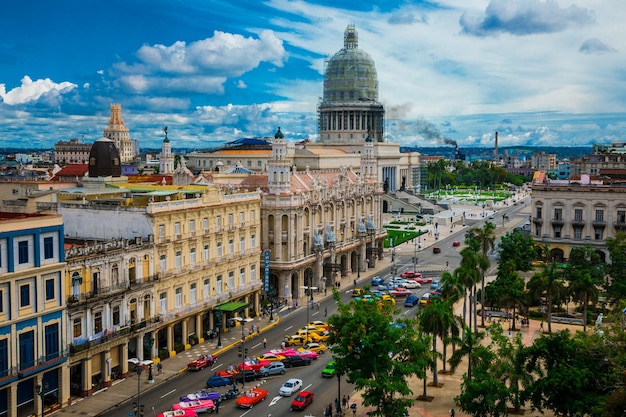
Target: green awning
(231,307)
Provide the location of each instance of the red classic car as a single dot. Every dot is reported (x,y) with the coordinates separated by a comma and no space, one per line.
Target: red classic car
(251,398)
(202,362)
(400,292)
(303,399)
(410,274)
(423,280)
(254,364)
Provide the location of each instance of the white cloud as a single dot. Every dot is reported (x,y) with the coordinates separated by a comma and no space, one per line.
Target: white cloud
(524,17)
(32,90)
(595,46)
(241,85)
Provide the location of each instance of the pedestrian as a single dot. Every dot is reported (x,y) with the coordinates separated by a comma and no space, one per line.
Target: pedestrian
(217,406)
(325,311)
(355,283)
(452,412)
(258,330)
(318,306)
(282,344)
(159,368)
(344,401)
(264,343)
(541,326)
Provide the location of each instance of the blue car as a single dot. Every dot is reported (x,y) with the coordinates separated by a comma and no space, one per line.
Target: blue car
(218,381)
(411,300)
(377,281)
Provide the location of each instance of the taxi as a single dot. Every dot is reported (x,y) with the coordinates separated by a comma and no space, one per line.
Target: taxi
(357,292)
(295,340)
(315,347)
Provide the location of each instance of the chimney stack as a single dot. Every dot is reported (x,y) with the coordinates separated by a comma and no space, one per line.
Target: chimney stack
(495,151)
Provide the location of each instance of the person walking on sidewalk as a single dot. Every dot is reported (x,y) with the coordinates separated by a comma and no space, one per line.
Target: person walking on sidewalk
(325,311)
(264,343)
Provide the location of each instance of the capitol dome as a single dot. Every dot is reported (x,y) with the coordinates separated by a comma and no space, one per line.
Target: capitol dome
(350,74)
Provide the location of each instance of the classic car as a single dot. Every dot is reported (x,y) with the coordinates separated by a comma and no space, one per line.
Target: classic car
(199,406)
(329,370)
(308,354)
(201,395)
(251,398)
(254,364)
(218,381)
(178,413)
(400,292)
(293,361)
(315,347)
(202,362)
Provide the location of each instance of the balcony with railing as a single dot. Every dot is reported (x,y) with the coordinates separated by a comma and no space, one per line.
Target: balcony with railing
(40,364)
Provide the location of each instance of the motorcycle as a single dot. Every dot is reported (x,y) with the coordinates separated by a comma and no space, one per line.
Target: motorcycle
(230,394)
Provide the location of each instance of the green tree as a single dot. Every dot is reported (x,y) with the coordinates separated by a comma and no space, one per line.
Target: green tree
(376,357)
(469,344)
(548,283)
(517,248)
(616,287)
(485,394)
(468,274)
(571,374)
(436,319)
(510,288)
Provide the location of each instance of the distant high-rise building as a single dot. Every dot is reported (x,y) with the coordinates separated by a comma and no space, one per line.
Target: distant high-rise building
(349,110)
(119,134)
(71,152)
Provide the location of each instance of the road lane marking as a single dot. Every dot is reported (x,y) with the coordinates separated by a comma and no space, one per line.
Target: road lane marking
(275,400)
(288,328)
(168,393)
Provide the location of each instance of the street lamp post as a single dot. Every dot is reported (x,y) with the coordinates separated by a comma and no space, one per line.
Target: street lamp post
(358,265)
(40,390)
(139,368)
(242,321)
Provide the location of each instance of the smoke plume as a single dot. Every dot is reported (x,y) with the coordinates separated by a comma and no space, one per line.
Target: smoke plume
(430,132)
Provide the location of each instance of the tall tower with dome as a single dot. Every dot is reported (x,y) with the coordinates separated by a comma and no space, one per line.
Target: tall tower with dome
(350,111)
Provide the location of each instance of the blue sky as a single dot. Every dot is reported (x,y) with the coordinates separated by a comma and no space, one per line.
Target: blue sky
(540,72)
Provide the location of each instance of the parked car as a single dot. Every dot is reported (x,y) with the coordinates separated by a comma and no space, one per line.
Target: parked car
(401,292)
(410,274)
(423,280)
(410,284)
(178,413)
(315,347)
(424,299)
(247,375)
(218,381)
(274,368)
(357,292)
(198,406)
(377,281)
(295,339)
(290,387)
(201,395)
(434,284)
(385,287)
(251,398)
(301,401)
(254,364)
(271,357)
(293,361)
(411,300)
(329,370)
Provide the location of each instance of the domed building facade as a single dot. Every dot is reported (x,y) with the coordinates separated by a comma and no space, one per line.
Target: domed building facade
(349,111)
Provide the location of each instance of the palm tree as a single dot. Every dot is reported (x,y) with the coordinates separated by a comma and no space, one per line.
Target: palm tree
(485,237)
(548,282)
(584,289)
(469,344)
(467,274)
(436,319)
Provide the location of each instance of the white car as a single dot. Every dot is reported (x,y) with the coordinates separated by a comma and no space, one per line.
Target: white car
(292,385)
(410,284)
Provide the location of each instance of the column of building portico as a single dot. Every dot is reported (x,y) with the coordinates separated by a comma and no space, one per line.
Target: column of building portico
(318,270)
(363,253)
(106,368)
(65,396)
(170,337)
(38,381)
(199,332)
(124,360)
(12,400)
(140,346)
(290,234)
(86,389)
(184,328)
